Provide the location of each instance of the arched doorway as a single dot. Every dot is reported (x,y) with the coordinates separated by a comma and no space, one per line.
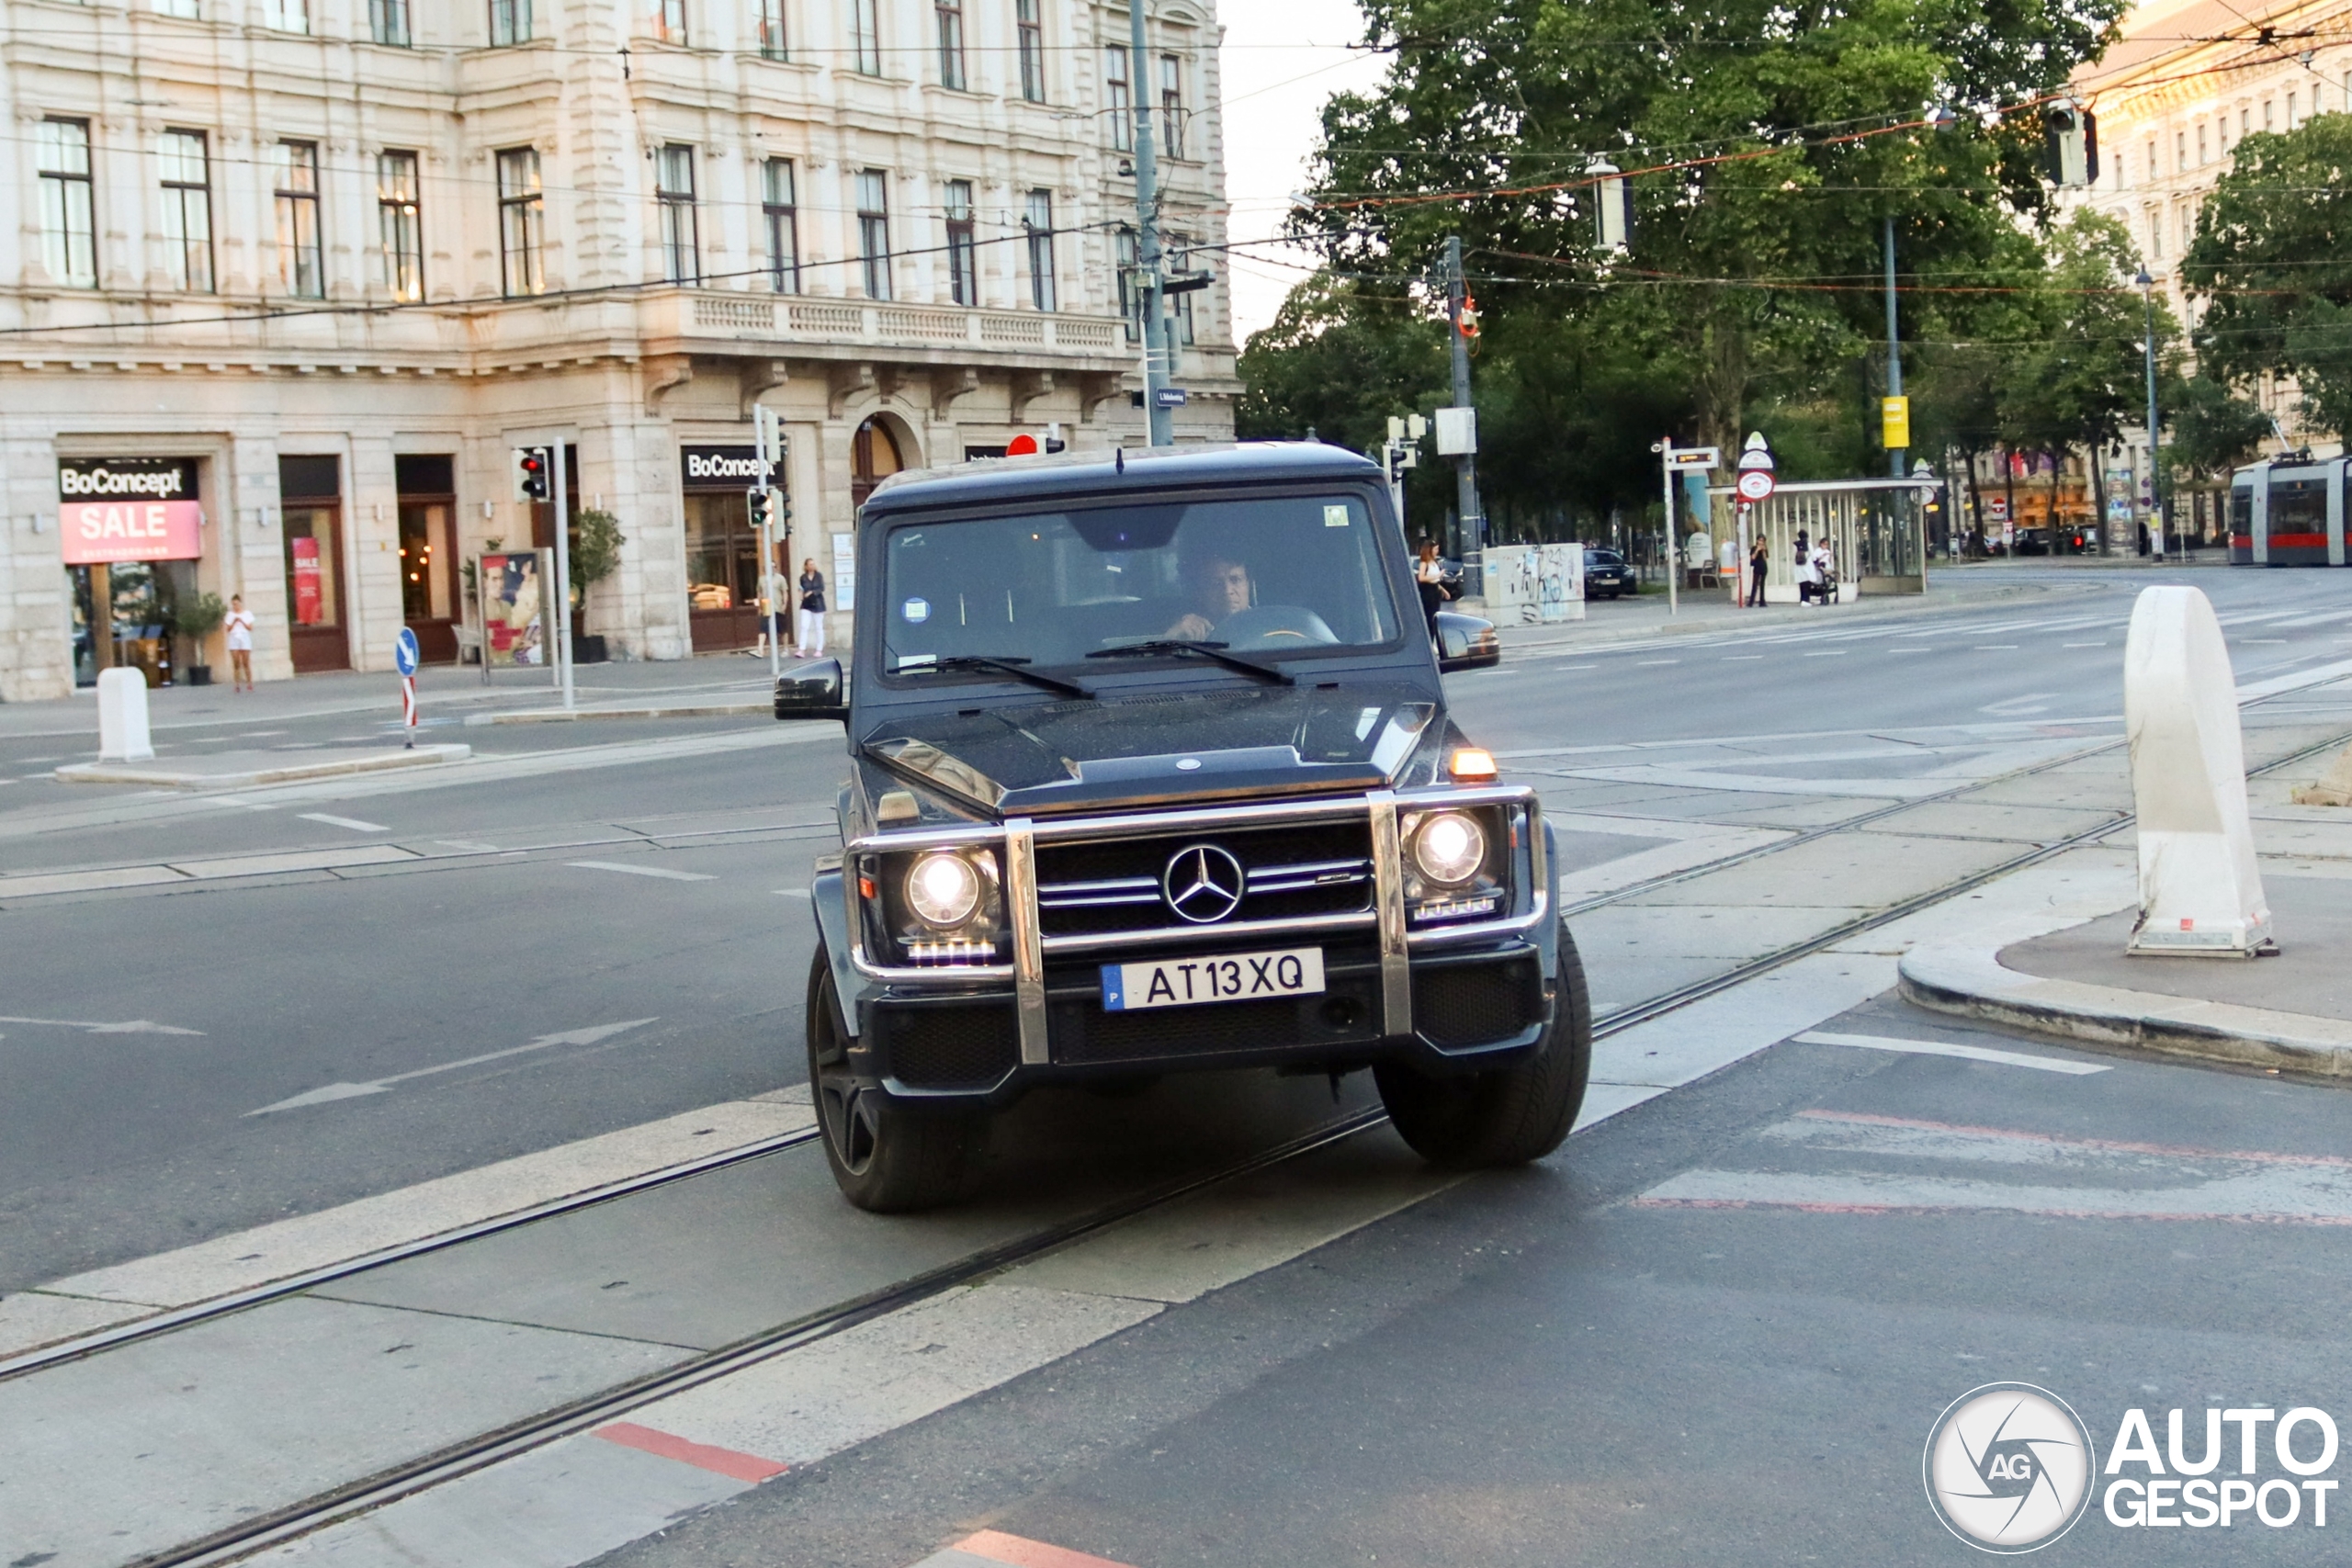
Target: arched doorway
(873,455)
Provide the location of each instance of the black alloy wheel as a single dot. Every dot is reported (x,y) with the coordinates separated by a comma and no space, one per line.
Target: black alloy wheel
(1513,1114)
(887,1158)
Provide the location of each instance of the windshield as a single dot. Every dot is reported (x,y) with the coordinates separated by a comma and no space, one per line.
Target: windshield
(1274,575)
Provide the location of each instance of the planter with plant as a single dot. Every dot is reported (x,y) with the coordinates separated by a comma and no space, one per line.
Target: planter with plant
(196,617)
(596,546)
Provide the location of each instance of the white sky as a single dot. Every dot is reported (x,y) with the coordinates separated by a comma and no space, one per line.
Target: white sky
(1283,59)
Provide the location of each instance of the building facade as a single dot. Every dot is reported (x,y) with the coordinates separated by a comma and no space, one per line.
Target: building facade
(2186,82)
(290,280)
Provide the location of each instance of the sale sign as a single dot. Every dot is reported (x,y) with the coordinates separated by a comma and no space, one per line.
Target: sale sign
(309,601)
(95,532)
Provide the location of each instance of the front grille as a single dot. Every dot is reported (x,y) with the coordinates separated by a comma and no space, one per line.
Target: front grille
(1475,1004)
(948,1044)
(1090,887)
(1348,1011)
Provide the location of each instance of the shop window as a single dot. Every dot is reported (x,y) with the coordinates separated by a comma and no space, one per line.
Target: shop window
(1039,223)
(963,257)
(510,24)
(310,514)
(783,214)
(388,22)
(874,232)
(522,215)
(950,16)
(773,42)
(400,224)
(865,36)
(1033,52)
(294,168)
(1116,102)
(69,239)
(187,212)
(431,601)
(675,188)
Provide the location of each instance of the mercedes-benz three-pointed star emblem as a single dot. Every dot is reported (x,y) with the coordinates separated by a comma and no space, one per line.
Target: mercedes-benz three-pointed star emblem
(1202,884)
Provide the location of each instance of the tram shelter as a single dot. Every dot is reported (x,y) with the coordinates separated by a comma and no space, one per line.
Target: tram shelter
(1877,530)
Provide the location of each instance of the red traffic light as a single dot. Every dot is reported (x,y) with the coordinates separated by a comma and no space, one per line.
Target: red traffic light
(1022,445)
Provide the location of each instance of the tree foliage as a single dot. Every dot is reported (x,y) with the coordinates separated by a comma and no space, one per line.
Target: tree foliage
(2273,256)
(2213,429)
(2084,375)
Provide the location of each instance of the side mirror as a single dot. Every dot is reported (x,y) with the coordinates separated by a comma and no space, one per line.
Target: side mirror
(811,690)
(1467,642)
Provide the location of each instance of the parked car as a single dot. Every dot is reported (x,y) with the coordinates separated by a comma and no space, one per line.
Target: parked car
(1606,575)
(1151,771)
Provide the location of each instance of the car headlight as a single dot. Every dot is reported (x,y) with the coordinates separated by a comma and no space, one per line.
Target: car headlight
(942,890)
(1449,847)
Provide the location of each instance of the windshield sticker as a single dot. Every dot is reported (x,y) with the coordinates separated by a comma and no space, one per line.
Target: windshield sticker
(1335,516)
(916,610)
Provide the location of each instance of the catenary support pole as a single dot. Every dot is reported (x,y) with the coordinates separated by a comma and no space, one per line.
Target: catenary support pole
(2156,468)
(563,574)
(1473,521)
(1893,347)
(1159,422)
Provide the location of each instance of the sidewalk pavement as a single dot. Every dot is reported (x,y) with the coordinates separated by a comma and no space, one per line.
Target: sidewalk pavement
(2291,1013)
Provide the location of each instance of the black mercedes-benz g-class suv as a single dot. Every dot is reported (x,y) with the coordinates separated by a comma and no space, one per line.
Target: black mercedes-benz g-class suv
(1151,769)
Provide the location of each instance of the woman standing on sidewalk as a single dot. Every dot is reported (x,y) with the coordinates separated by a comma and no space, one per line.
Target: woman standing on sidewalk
(1759,560)
(809,634)
(1428,575)
(239,627)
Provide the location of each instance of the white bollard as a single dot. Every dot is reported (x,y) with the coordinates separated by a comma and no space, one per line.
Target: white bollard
(2200,891)
(122,718)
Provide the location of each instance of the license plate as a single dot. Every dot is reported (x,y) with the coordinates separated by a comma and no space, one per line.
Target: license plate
(1225,977)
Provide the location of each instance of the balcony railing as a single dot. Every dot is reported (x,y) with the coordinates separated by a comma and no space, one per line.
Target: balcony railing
(788,319)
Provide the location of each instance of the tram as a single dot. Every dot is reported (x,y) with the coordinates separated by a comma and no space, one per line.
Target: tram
(2288,511)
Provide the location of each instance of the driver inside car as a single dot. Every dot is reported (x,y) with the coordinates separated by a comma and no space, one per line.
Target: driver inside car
(1220,588)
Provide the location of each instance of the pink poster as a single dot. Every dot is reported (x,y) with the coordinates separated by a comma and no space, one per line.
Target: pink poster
(308,605)
(100,531)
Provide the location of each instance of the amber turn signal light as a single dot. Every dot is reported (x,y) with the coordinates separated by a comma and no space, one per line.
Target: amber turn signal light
(1473,763)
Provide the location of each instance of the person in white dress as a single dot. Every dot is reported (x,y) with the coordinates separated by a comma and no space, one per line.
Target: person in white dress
(239,627)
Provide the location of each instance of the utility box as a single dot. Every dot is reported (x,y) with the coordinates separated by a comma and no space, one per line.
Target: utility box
(1457,433)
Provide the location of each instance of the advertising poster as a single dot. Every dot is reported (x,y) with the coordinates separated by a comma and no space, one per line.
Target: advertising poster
(129,508)
(309,601)
(513,634)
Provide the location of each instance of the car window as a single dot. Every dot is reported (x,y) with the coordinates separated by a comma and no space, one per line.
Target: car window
(1281,574)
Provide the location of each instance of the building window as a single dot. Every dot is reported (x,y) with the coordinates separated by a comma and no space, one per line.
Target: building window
(2188,229)
(183,8)
(1033,52)
(2267,107)
(510,22)
(2180,150)
(963,262)
(398,223)
(68,234)
(522,220)
(294,170)
(772,45)
(2156,235)
(1124,248)
(187,212)
(289,16)
(670,21)
(2245,121)
(951,42)
(874,232)
(776,204)
(2155,173)
(674,186)
(1117,103)
(1039,221)
(388,22)
(1180,306)
(2201,157)
(2295,100)
(865,36)
(1171,104)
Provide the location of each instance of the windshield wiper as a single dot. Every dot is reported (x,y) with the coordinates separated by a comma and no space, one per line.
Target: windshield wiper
(1009,664)
(1205,649)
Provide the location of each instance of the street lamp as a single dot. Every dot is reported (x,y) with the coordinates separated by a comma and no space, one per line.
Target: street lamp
(2155,469)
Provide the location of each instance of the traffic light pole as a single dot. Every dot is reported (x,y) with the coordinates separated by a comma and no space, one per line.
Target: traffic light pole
(1474,523)
(562,577)
(1159,423)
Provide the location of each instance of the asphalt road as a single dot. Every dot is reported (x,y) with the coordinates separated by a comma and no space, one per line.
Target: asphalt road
(113,1145)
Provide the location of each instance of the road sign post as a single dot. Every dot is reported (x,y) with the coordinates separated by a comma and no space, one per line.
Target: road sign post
(1755,483)
(404,658)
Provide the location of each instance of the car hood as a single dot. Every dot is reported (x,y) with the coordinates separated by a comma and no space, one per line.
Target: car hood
(1161,748)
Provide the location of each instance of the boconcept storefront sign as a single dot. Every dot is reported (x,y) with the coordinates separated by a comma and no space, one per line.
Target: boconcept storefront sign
(129,508)
(719,468)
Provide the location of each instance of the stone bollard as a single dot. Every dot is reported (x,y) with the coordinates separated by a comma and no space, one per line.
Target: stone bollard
(2200,891)
(122,718)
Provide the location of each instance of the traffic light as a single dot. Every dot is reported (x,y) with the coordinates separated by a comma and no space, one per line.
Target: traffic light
(768,509)
(530,473)
(1465,322)
(2070,142)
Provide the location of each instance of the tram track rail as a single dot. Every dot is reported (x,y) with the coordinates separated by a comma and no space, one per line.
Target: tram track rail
(447,1464)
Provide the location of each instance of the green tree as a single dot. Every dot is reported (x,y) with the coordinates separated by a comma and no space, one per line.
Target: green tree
(2213,429)
(2273,258)
(1338,360)
(2083,375)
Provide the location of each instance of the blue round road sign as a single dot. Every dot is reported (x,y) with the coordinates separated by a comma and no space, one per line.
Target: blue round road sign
(404,651)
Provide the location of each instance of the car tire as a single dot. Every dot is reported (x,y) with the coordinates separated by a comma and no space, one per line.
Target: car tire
(1510,1115)
(885,1156)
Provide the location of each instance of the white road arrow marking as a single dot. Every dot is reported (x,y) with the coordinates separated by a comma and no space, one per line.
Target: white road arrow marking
(335,1092)
(136,1026)
(352,823)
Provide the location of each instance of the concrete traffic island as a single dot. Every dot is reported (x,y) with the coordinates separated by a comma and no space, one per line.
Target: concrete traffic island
(245,769)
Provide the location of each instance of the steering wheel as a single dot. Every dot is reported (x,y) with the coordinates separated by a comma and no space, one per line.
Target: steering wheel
(1273,626)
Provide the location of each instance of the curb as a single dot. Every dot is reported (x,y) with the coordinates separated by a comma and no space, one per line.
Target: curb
(157,777)
(1530,638)
(571,715)
(1973,982)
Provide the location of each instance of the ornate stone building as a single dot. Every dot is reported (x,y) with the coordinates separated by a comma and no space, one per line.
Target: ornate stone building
(317,267)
